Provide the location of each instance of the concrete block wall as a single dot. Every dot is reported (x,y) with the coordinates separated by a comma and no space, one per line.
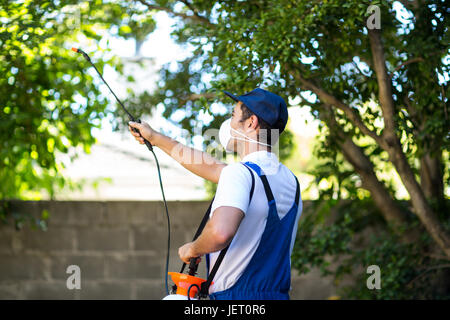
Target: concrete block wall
(120,247)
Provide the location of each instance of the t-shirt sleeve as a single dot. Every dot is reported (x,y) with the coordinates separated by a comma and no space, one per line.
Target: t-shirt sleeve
(234,187)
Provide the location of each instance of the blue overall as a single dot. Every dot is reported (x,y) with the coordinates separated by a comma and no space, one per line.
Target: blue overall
(268,274)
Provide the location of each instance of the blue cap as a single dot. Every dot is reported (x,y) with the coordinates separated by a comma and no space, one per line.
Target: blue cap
(267,105)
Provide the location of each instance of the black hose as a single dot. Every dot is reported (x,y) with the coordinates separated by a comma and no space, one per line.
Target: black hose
(168,222)
(189,290)
(150,147)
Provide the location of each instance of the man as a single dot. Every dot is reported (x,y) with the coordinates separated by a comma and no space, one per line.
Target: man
(256,217)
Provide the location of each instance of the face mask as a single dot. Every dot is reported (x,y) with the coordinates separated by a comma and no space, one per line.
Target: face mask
(225,135)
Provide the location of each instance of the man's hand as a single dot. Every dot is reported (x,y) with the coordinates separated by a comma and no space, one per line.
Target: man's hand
(186,253)
(146,132)
(217,234)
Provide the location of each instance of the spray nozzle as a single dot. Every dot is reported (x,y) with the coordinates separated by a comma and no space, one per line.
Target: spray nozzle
(130,116)
(85,55)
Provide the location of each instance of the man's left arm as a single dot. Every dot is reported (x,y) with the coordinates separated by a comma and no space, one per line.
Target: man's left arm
(217,234)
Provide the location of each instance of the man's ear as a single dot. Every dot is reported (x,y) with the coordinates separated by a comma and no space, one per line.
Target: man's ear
(253,122)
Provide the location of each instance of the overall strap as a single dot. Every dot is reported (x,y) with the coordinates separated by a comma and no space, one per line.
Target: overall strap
(263,178)
(204,290)
(266,185)
(297,191)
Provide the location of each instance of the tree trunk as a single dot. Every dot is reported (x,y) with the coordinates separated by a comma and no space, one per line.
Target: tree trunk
(391,212)
(431,177)
(419,201)
(391,143)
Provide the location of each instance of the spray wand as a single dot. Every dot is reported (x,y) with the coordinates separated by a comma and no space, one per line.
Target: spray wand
(150,147)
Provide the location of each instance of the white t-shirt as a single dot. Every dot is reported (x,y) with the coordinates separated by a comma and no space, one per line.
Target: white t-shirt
(233,190)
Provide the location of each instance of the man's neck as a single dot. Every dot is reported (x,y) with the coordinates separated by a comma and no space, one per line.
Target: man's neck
(248,148)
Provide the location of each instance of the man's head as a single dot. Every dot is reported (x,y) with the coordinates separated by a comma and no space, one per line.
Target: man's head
(253,126)
(258,115)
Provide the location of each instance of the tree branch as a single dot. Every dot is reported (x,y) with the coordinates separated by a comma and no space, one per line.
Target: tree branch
(413,60)
(390,211)
(442,266)
(416,59)
(196,96)
(329,99)
(384,81)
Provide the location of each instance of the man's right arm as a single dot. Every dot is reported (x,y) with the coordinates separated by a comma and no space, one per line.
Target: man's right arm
(196,161)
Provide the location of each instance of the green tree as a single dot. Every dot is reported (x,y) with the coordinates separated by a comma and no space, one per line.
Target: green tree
(49,100)
(380,93)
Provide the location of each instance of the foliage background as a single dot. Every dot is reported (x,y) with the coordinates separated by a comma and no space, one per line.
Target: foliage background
(49,103)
